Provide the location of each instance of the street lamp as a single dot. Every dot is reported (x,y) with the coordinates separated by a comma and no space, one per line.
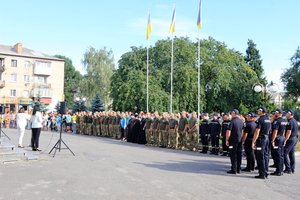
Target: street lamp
(80,102)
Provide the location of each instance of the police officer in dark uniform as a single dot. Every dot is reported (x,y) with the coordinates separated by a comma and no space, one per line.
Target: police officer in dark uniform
(234,142)
(291,139)
(215,130)
(260,143)
(277,141)
(204,132)
(248,134)
(225,124)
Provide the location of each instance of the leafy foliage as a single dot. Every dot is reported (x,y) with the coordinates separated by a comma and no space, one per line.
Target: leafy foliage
(224,77)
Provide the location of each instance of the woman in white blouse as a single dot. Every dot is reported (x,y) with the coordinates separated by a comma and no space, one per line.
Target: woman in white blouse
(21,119)
(36,126)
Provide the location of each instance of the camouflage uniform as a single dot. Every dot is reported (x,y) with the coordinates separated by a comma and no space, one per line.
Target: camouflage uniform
(173,133)
(89,125)
(155,132)
(192,134)
(148,130)
(182,133)
(117,126)
(163,133)
(94,126)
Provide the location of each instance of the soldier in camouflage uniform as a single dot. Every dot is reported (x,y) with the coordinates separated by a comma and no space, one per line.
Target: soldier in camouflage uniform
(182,128)
(89,124)
(154,127)
(84,123)
(192,134)
(147,129)
(94,124)
(173,131)
(118,126)
(162,129)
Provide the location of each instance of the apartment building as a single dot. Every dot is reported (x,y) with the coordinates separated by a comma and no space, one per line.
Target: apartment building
(27,75)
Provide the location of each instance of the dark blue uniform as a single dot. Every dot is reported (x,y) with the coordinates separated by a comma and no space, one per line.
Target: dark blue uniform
(262,146)
(235,144)
(250,130)
(289,149)
(225,125)
(204,133)
(215,130)
(277,151)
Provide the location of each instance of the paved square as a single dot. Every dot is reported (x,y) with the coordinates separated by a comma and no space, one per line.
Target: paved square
(108,169)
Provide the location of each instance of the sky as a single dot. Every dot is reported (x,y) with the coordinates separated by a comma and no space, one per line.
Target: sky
(70,27)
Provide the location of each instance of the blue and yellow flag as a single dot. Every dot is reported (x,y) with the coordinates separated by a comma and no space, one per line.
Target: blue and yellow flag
(199,22)
(172,26)
(149,28)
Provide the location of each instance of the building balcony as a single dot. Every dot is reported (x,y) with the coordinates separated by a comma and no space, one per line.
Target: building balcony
(41,92)
(2,84)
(41,85)
(2,68)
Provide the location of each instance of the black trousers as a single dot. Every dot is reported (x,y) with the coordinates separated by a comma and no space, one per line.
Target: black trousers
(235,153)
(204,141)
(35,136)
(122,133)
(215,143)
(289,154)
(249,154)
(224,146)
(262,155)
(278,153)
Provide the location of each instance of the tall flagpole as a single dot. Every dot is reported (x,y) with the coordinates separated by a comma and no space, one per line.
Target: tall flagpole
(172,63)
(199,67)
(199,70)
(147,77)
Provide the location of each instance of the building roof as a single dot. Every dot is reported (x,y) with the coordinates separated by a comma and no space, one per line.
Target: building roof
(11,51)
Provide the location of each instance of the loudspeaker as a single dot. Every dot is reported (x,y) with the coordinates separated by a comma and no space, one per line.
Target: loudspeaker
(62,108)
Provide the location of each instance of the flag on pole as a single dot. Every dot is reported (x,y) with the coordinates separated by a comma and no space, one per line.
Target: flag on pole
(149,28)
(172,26)
(199,22)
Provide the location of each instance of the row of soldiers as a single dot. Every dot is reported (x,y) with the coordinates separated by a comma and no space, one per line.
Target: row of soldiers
(177,131)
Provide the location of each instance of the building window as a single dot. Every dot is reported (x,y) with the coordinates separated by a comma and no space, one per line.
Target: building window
(13,93)
(26,78)
(41,79)
(14,63)
(27,64)
(13,77)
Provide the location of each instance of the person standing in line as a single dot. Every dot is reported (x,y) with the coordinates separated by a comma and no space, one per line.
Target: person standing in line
(21,119)
(36,126)
(225,124)
(260,143)
(247,141)
(234,142)
(290,142)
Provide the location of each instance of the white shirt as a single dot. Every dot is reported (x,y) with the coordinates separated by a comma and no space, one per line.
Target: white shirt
(36,120)
(22,120)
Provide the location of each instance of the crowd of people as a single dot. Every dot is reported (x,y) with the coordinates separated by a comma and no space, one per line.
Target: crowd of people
(225,134)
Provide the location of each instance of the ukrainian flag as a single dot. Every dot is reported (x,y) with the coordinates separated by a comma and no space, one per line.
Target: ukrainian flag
(149,28)
(172,26)
(199,22)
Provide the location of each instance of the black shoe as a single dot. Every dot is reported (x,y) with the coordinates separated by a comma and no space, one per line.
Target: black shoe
(272,166)
(276,174)
(246,170)
(287,172)
(256,168)
(34,149)
(231,172)
(203,152)
(224,154)
(260,177)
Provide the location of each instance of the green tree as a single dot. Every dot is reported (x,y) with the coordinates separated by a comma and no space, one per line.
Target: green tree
(97,105)
(291,77)
(72,79)
(99,66)
(253,59)
(226,79)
